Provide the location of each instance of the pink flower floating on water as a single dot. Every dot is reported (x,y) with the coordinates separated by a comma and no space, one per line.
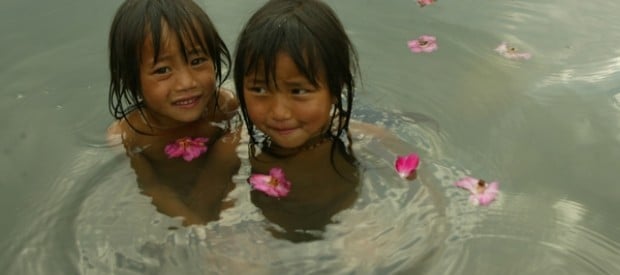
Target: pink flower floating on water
(187,148)
(424,43)
(407,165)
(482,193)
(511,52)
(274,184)
(423,3)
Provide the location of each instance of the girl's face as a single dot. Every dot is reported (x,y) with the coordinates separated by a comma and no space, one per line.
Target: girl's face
(175,91)
(290,111)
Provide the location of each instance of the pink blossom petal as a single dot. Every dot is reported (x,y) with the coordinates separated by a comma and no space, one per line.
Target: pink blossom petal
(277,173)
(283,185)
(482,193)
(468,183)
(427,38)
(187,148)
(275,184)
(414,46)
(406,165)
(424,43)
(173,150)
(423,3)
(489,194)
(260,182)
(511,52)
(193,152)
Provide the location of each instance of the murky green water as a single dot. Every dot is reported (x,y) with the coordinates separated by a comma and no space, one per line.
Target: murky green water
(547,128)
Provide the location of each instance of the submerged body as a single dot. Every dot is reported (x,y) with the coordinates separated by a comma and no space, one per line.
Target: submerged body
(319,189)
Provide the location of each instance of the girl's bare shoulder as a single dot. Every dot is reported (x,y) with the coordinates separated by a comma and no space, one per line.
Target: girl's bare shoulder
(114,133)
(121,131)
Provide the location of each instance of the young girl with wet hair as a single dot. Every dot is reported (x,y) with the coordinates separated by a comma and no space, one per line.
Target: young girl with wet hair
(167,64)
(294,74)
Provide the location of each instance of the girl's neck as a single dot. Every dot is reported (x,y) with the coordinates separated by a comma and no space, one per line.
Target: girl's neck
(313,143)
(156,126)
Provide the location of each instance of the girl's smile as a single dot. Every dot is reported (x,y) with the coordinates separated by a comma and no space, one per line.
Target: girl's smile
(284,131)
(187,103)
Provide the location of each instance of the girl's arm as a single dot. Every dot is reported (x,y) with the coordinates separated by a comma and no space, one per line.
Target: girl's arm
(388,139)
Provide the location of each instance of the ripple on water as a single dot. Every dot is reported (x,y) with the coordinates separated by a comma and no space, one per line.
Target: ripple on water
(424,226)
(398,228)
(395,225)
(616,100)
(526,234)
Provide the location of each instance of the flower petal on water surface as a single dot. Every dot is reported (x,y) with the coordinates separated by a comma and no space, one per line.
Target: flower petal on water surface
(424,43)
(187,148)
(482,193)
(275,184)
(511,52)
(424,3)
(406,165)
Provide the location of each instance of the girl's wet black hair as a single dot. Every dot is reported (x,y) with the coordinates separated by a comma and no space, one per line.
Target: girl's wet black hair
(134,21)
(311,33)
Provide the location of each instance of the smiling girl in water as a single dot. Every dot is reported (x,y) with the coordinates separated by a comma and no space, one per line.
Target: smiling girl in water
(167,65)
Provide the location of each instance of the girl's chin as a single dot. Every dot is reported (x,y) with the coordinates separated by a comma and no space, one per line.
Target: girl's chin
(286,144)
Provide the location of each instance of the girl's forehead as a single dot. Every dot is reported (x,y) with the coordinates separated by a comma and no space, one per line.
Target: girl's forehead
(169,37)
(259,63)
(271,66)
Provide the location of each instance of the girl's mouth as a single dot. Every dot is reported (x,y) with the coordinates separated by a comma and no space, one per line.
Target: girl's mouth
(284,131)
(187,103)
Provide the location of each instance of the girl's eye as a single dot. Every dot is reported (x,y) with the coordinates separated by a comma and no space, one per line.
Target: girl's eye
(162,70)
(257,90)
(299,91)
(198,61)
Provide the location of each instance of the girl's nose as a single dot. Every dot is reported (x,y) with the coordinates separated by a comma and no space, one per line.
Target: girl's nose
(185,79)
(280,109)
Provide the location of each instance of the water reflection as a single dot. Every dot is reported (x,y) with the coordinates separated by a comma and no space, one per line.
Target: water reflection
(558,235)
(616,100)
(591,71)
(547,128)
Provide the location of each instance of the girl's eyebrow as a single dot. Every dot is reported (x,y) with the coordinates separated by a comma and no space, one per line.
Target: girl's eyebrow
(160,58)
(256,80)
(195,51)
(297,81)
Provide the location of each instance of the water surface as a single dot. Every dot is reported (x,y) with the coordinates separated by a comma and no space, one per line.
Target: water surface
(548,129)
